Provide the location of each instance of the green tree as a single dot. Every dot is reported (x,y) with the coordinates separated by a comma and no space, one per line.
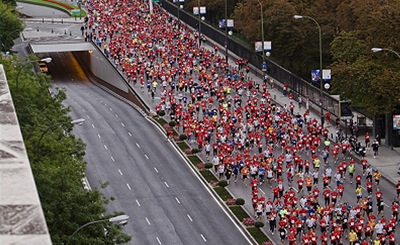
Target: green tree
(57,163)
(10,25)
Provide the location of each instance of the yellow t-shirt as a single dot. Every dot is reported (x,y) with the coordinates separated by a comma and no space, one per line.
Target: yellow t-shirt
(352,236)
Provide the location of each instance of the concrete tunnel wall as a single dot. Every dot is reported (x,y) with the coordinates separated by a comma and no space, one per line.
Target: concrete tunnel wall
(98,68)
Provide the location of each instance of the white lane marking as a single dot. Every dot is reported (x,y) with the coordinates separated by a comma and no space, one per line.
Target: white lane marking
(146,156)
(116,115)
(293,189)
(87,116)
(203,237)
(138,145)
(177,200)
(79,106)
(158,240)
(123,125)
(105,104)
(262,191)
(239,229)
(190,218)
(120,172)
(155,169)
(138,203)
(112,158)
(105,147)
(147,220)
(98,135)
(166,184)
(385,204)
(363,187)
(129,133)
(83,110)
(111,109)
(93,125)
(129,187)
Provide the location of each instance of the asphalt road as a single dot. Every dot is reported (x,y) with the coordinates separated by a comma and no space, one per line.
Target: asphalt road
(149,180)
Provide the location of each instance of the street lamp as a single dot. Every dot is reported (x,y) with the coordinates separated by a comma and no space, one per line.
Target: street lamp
(47,60)
(120,219)
(385,49)
(79,122)
(320,62)
(375,50)
(262,35)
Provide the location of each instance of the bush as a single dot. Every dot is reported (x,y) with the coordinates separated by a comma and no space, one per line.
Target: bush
(231,201)
(183,137)
(267,243)
(240,201)
(195,150)
(208,165)
(188,151)
(259,224)
(166,126)
(200,166)
(249,221)
(176,138)
(172,123)
(161,113)
(223,183)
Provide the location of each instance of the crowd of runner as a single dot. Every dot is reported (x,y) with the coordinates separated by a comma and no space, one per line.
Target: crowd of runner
(233,121)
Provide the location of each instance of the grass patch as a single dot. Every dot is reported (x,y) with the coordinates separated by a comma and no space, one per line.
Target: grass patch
(65,7)
(194,159)
(258,235)
(182,145)
(239,212)
(223,193)
(208,175)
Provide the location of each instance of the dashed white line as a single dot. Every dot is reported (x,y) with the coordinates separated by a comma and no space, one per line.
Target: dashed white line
(138,203)
(190,218)
(147,220)
(98,135)
(83,110)
(146,156)
(129,133)
(262,191)
(363,187)
(111,109)
(105,147)
(129,187)
(123,125)
(177,200)
(116,115)
(385,204)
(158,240)
(93,125)
(87,116)
(105,104)
(166,184)
(293,189)
(204,239)
(155,169)
(120,172)
(138,145)
(112,158)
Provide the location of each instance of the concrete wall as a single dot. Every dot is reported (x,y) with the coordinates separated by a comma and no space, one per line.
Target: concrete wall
(101,68)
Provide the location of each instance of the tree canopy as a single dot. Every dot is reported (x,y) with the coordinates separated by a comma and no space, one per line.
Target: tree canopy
(57,162)
(350,28)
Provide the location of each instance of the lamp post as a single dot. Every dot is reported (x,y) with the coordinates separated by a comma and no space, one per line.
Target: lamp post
(262,34)
(117,219)
(79,121)
(320,63)
(47,60)
(226,31)
(375,50)
(180,6)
